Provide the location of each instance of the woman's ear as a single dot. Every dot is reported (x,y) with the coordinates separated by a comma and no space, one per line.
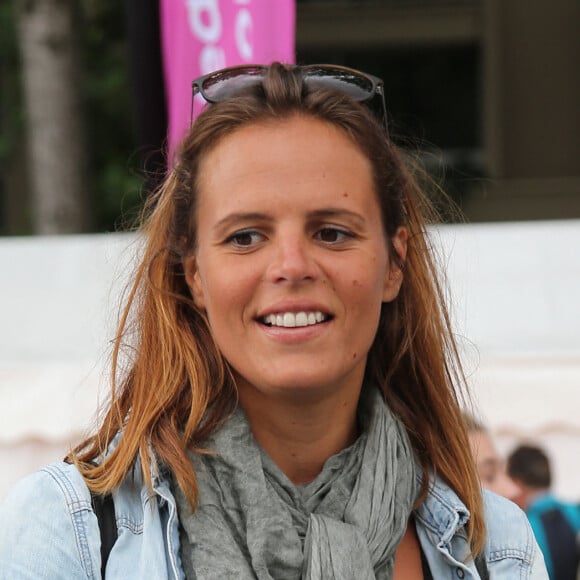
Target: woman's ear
(394,273)
(193,279)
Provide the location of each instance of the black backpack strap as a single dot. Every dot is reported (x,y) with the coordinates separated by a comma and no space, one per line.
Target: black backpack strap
(104,509)
(481,567)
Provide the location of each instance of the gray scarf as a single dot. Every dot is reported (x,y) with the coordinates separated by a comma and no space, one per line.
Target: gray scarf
(252,522)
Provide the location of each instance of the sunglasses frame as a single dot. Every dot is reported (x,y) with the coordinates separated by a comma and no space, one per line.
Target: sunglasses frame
(313,71)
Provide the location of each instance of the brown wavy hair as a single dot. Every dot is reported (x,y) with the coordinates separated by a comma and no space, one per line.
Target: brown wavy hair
(177,388)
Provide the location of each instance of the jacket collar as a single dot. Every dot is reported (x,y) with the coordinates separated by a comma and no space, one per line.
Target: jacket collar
(442,512)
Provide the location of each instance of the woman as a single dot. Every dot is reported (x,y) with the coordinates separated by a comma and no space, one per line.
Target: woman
(289,408)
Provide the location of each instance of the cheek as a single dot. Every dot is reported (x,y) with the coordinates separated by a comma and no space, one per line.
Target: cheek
(226,291)
(364,293)
(367,279)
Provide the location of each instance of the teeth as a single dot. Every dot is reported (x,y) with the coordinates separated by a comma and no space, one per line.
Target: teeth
(293,319)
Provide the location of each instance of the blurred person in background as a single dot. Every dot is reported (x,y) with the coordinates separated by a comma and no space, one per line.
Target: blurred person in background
(556,523)
(490,465)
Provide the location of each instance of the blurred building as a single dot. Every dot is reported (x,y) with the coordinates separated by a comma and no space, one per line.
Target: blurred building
(489,89)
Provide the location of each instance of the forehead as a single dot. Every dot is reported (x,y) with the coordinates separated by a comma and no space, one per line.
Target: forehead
(289,148)
(299,167)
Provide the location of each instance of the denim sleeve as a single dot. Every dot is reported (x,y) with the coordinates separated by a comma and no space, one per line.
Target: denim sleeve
(48,528)
(512,549)
(538,568)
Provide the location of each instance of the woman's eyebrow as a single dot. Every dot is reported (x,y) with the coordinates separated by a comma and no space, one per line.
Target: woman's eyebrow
(337,212)
(322,213)
(234,218)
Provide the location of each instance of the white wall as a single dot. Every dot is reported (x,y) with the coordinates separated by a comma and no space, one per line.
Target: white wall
(516,301)
(516,294)
(59,304)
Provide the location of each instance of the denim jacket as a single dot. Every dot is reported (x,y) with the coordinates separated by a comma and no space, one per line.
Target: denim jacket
(49,530)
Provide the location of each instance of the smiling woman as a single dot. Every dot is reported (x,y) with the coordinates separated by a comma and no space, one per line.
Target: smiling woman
(310,252)
(277,245)
(291,407)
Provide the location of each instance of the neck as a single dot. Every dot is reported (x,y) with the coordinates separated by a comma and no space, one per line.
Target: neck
(299,437)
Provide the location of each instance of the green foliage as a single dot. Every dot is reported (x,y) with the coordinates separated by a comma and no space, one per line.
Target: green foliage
(11,121)
(13,206)
(116,184)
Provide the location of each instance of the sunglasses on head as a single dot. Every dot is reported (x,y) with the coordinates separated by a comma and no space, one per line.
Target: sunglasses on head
(226,83)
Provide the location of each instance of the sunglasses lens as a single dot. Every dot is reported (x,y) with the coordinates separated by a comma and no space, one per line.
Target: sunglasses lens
(358,87)
(228,83)
(224,85)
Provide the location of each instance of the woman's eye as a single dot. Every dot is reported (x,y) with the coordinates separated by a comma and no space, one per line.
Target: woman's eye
(332,235)
(245,238)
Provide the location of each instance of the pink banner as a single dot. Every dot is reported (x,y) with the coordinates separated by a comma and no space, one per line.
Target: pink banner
(200,36)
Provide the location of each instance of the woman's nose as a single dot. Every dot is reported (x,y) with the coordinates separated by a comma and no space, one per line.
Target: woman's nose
(293,260)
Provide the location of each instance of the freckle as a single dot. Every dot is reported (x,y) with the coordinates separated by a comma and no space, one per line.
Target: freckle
(345,194)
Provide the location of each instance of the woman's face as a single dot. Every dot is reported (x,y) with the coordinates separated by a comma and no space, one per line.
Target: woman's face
(291,264)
